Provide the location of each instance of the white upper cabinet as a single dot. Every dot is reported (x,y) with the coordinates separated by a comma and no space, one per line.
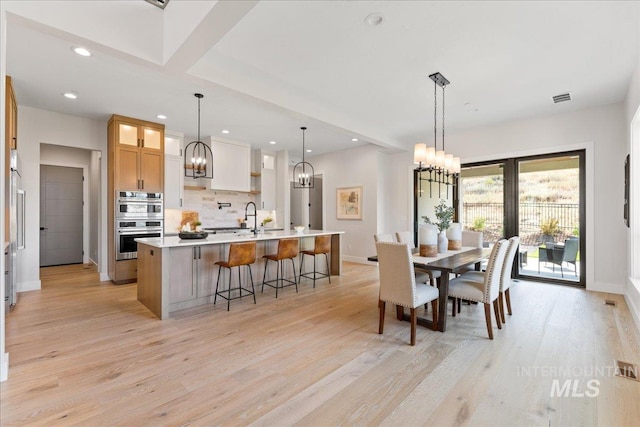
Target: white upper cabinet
(231,166)
(173,170)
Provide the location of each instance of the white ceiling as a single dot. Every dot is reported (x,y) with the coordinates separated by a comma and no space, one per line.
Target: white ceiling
(266,68)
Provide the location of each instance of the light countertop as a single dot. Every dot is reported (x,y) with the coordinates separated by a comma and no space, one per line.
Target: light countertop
(213,239)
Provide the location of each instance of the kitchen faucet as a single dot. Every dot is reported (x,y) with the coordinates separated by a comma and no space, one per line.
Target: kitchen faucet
(255,216)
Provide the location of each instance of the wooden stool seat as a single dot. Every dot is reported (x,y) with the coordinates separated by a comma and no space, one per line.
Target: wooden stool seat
(322,246)
(240,254)
(287,249)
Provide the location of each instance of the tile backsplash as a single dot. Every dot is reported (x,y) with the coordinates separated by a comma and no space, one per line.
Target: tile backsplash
(206,203)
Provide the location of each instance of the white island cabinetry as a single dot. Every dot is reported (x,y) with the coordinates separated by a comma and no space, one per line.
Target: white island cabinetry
(175,274)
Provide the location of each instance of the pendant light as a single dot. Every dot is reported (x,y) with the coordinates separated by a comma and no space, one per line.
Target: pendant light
(197,155)
(303,171)
(441,168)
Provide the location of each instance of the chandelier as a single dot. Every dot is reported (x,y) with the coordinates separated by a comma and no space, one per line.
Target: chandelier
(303,171)
(198,155)
(441,168)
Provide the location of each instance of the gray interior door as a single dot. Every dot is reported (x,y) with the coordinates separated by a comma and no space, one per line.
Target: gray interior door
(315,204)
(296,206)
(60,215)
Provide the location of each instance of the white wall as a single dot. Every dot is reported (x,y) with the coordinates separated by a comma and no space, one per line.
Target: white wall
(36,127)
(350,168)
(632,109)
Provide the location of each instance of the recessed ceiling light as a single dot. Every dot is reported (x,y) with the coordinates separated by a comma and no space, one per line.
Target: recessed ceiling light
(70,95)
(308,150)
(354,139)
(161,116)
(272,142)
(82,51)
(225,131)
(374,19)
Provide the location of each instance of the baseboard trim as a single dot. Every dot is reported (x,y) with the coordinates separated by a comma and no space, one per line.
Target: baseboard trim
(633,308)
(104,277)
(612,288)
(358,260)
(34,285)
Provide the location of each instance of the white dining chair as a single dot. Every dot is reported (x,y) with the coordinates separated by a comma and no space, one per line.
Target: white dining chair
(482,288)
(407,237)
(386,237)
(398,285)
(505,276)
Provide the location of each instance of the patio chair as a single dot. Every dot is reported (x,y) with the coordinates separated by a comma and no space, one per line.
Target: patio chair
(568,254)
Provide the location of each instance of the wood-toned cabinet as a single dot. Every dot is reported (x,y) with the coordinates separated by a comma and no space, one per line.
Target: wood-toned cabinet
(11,123)
(11,142)
(135,163)
(138,148)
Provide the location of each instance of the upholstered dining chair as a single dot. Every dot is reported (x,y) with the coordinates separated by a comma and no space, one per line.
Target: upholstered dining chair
(505,276)
(398,285)
(386,237)
(472,239)
(482,288)
(433,275)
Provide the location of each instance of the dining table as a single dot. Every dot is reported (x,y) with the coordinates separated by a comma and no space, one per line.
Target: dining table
(448,263)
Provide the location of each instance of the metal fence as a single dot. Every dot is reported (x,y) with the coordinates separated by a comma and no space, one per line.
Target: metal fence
(489,217)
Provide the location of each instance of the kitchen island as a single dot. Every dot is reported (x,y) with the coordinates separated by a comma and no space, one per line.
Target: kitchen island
(174,274)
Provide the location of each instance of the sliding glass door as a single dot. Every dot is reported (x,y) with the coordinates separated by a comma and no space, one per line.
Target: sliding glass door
(551,216)
(539,198)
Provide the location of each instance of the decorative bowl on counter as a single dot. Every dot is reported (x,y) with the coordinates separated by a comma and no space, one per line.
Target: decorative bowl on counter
(193,234)
(299,228)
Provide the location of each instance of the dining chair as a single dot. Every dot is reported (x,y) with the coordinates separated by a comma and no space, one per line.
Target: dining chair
(482,288)
(421,277)
(505,276)
(472,239)
(433,275)
(387,237)
(398,285)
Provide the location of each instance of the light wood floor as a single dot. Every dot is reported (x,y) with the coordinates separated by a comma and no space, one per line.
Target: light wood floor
(87,353)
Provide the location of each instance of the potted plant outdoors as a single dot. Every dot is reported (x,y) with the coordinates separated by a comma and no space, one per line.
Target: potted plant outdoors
(444,216)
(549,229)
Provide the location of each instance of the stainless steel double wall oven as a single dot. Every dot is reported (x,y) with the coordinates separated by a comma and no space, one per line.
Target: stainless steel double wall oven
(137,215)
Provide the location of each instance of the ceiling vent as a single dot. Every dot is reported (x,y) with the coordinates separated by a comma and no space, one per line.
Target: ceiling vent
(160,3)
(559,98)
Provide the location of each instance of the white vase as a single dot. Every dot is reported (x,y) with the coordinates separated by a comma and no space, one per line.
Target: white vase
(443,242)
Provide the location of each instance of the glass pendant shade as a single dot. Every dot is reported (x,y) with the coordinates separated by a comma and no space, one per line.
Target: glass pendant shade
(431,156)
(448,162)
(420,154)
(440,159)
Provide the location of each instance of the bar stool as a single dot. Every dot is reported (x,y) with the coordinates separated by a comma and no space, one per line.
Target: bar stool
(322,245)
(287,249)
(239,254)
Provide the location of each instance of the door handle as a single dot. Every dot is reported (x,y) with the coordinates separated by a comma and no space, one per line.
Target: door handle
(43,228)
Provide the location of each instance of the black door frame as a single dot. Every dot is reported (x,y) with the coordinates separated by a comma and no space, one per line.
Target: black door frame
(511,206)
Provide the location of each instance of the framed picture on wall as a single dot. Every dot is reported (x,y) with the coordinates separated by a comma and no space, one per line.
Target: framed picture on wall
(349,203)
